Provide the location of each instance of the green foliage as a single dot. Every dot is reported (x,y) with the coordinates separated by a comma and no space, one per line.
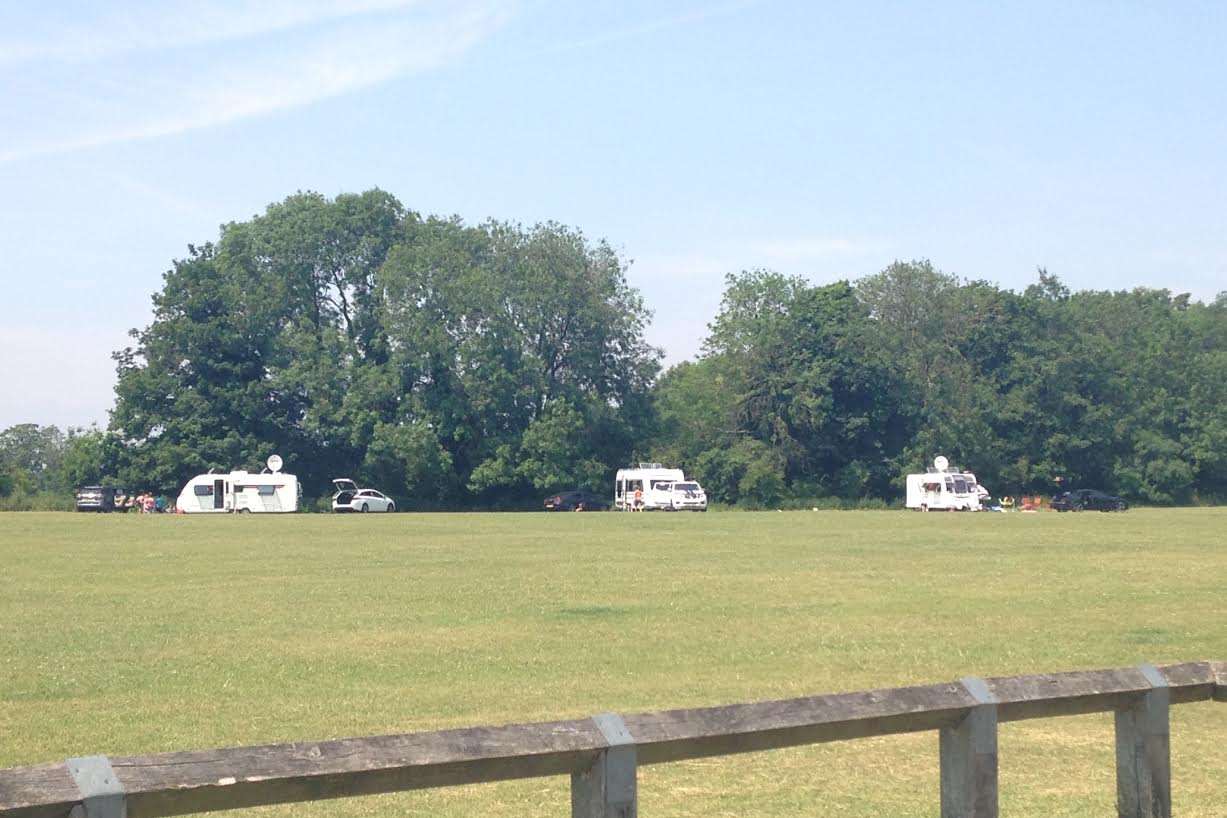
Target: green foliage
(447,364)
(785,396)
(40,465)
(31,456)
(24,500)
(838,391)
(457,365)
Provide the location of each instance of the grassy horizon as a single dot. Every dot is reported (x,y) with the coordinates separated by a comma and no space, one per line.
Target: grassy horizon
(127,635)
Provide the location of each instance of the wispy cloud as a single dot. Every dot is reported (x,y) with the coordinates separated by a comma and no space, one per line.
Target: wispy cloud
(71,33)
(263,59)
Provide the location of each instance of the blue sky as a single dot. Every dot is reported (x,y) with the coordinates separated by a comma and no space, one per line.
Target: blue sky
(698,137)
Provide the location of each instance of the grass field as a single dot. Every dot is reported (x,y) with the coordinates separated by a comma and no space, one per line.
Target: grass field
(129,635)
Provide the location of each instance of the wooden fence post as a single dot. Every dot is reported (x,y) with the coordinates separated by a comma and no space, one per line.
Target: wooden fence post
(607,789)
(1143,753)
(969,758)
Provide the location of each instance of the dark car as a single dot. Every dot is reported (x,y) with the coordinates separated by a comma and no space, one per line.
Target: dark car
(578,500)
(1088,500)
(96,498)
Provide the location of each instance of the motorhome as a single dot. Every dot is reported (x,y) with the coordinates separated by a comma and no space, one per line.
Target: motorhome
(652,479)
(271,491)
(942,489)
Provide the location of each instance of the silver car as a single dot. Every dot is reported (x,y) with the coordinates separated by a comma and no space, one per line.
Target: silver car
(351,498)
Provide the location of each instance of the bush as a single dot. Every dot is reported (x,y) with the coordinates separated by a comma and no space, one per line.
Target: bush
(839,504)
(21,500)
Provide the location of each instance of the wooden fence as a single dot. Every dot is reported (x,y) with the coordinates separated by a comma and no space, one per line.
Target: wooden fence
(601,754)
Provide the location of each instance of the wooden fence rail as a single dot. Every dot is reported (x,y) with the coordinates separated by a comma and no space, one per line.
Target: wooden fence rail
(601,754)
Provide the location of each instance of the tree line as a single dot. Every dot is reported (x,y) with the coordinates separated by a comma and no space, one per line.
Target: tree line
(459,366)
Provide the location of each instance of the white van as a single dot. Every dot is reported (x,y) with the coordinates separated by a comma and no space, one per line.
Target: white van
(241,492)
(685,495)
(653,479)
(942,490)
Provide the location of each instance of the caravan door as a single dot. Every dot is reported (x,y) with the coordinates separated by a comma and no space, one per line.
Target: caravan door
(221,493)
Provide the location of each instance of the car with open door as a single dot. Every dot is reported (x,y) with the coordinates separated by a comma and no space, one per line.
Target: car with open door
(349,497)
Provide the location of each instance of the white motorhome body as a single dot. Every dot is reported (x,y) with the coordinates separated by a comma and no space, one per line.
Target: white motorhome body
(240,491)
(942,490)
(981,494)
(653,479)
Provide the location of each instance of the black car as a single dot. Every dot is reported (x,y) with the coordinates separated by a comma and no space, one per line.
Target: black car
(578,500)
(1088,500)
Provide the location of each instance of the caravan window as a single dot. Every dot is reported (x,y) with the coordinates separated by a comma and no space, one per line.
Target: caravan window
(621,488)
(656,484)
(950,484)
(203,491)
(960,485)
(266,491)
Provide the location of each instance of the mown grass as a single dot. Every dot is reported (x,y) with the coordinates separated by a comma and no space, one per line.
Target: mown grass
(129,635)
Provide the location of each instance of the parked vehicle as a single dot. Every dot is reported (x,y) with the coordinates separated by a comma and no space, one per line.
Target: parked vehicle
(942,489)
(1088,500)
(351,498)
(577,500)
(686,495)
(96,498)
(271,491)
(651,480)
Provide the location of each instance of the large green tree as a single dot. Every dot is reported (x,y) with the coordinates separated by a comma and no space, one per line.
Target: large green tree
(789,396)
(452,364)
(523,348)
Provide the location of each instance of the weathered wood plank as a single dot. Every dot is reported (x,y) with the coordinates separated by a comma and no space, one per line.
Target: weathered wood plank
(674,735)
(1190,681)
(177,783)
(1220,680)
(1093,691)
(199,781)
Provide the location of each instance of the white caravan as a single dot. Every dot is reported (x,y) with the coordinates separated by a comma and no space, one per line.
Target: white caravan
(653,479)
(240,492)
(942,489)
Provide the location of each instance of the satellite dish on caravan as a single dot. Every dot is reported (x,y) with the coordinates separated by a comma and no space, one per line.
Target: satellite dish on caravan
(940,463)
(274,463)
